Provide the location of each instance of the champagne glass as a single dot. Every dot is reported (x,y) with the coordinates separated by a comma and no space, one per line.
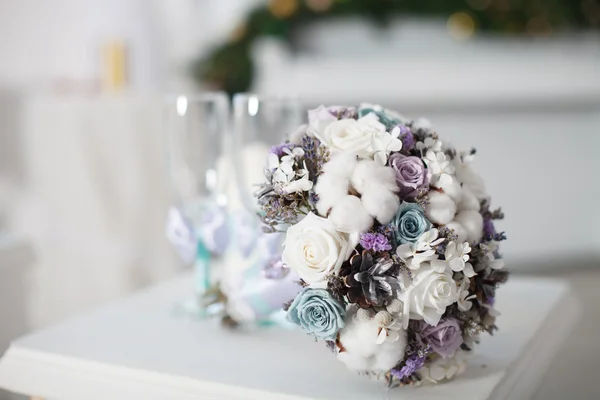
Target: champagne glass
(259,122)
(194,129)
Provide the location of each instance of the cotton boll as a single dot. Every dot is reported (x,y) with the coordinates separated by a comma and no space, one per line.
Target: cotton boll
(441,208)
(349,215)
(341,166)
(380,203)
(361,176)
(472,222)
(358,341)
(458,230)
(369,172)
(332,185)
(360,350)
(454,190)
(468,201)
(389,353)
(377,185)
(466,175)
(330,191)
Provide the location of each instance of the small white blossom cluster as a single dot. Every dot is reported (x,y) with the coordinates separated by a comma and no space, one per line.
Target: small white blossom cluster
(286,174)
(394,243)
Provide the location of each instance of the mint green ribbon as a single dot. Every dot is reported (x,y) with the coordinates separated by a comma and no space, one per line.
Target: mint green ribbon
(202,268)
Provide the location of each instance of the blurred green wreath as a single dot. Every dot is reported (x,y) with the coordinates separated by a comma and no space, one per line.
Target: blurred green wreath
(230,67)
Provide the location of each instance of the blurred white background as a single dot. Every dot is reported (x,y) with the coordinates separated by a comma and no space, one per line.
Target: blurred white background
(82,187)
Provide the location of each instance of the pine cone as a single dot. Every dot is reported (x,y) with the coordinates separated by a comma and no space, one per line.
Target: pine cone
(371,282)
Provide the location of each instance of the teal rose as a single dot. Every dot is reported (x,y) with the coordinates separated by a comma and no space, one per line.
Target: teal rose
(387,117)
(409,223)
(318,313)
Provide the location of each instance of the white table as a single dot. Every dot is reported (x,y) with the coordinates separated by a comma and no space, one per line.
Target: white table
(16,258)
(140,348)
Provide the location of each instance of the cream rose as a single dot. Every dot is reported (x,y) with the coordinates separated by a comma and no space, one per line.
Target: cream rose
(428,295)
(315,249)
(352,135)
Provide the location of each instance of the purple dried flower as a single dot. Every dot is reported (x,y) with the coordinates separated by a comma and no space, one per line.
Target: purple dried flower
(488,227)
(408,140)
(375,242)
(309,143)
(279,150)
(315,156)
(342,112)
(412,364)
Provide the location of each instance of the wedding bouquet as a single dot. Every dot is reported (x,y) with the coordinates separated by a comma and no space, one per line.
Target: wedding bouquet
(391,234)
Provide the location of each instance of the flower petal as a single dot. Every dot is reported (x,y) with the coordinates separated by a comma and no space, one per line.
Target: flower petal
(438,266)
(468,271)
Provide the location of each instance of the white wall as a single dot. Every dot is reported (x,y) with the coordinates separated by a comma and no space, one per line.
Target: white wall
(43,41)
(531,108)
(539,166)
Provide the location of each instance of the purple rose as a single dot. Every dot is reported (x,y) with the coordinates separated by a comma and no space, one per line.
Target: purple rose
(444,338)
(411,174)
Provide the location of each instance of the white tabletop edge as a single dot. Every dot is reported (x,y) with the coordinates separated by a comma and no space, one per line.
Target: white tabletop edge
(30,369)
(34,363)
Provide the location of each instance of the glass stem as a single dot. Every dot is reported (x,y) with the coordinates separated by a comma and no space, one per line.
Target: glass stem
(202,269)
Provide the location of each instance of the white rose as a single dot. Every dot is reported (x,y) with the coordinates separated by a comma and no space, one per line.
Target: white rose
(351,135)
(428,295)
(315,249)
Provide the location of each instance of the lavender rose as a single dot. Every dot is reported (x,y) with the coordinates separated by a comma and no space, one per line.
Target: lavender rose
(444,338)
(411,175)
